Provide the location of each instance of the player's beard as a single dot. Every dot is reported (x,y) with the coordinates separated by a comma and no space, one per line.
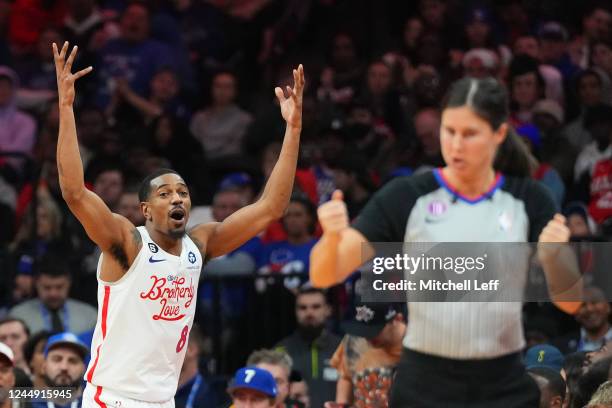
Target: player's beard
(310,332)
(177,233)
(53,382)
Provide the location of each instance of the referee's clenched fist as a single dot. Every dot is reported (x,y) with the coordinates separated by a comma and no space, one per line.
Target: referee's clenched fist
(333,215)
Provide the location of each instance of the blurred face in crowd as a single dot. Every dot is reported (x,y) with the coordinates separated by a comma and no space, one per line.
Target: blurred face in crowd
(247,398)
(47,222)
(589,90)
(525,90)
(81,9)
(129,207)
(551,51)
(91,127)
(164,86)
(594,356)
(412,31)
(168,205)
(109,186)
(37,363)
(578,226)
(343,180)
(164,131)
(468,142)
(14,335)
(48,37)
(527,45)
(53,290)
(281,376)
(597,24)
(135,23)
(433,12)
(547,399)
(64,367)
(427,126)
(297,221)
(312,310)
(477,33)
(225,203)
(546,123)
(298,391)
(602,57)
(224,89)
(594,312)
(343,51)
(475,68)
(7,378)
(6,90)
(379,78)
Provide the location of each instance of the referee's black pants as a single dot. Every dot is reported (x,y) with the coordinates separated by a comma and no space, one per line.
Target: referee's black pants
(426,381)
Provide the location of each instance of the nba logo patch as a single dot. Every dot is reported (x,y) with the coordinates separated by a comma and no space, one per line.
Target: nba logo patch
(153,247)
(437,208)
(192,258)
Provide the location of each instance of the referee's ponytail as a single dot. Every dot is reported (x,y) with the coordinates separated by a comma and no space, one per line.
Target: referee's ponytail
(489,99)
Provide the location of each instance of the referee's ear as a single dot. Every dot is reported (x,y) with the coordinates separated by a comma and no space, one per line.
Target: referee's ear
(338,195)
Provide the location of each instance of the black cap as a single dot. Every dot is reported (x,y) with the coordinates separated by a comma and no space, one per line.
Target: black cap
(370,319)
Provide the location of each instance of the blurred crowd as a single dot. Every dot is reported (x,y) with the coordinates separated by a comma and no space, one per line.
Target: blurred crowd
(188,85)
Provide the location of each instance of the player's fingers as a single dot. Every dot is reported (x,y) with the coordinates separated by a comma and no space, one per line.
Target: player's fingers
(560,218)
(338,195)
(62,53)
(83,72)
(71,57)
(296,78)
(279,94)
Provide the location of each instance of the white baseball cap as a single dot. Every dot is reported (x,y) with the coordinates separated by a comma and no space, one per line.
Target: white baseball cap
(7,352)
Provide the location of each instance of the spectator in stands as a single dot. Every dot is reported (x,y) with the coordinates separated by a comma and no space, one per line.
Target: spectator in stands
(279,364)
(253,387)
(526,88)
(553,39)
(478,30)
(544,356)
(589,90)
(134,56)
(298,389)
(480,63)
(53,310)
(311,345)
(351,176)
(14,333)
(596,25)
(17,129)
(108,183)
(293,254)
(91,125)
(7,377)
(595,328)
(427,126)
(129,206)
(28,18)
(578,221)
(34,355)
(602,397)
(220,127)
(551,384)
(194,389)
(602,64)
(368,355)
(86,26)
(598,122)
(595,374)
(64,365)
(170,138)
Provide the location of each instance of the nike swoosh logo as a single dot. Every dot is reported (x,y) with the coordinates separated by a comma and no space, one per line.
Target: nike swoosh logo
(155,260)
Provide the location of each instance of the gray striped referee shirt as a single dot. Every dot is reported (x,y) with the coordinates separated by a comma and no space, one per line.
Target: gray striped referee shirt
(425,208)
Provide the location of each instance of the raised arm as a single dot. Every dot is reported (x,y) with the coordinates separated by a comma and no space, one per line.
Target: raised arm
(339,251)
(247,222)
(107,230)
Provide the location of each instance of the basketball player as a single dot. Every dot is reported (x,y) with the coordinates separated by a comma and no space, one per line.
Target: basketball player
(148,276)
(459,354)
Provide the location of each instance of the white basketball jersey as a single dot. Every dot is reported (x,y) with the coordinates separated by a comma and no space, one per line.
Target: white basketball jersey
(144,320)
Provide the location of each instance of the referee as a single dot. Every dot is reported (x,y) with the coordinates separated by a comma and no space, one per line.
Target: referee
(459,354)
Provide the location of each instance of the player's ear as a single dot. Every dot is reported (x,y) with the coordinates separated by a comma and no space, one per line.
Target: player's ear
(146,210)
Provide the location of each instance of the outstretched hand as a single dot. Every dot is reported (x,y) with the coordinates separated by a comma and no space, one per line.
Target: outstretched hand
(291,105)
(65,78)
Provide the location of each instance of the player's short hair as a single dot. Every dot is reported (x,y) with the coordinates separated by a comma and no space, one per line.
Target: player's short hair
(145,185)
(272,357)
(10,319)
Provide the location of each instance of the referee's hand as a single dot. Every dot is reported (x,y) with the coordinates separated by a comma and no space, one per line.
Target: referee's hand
(554,233)
(333,214)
